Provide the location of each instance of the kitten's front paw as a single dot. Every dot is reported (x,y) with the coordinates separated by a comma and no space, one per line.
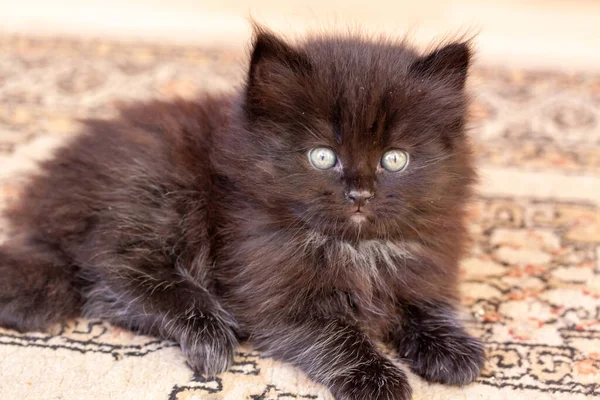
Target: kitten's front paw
(376,380)
(446,355)
(209,345)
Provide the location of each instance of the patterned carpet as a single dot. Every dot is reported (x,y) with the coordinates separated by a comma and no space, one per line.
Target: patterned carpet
(531,283)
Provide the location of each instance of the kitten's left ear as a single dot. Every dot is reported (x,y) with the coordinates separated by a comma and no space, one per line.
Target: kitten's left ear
(449,63)
(276,70)
(270,54)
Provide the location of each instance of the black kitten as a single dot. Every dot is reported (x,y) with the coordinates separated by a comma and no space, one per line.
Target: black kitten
(320,208)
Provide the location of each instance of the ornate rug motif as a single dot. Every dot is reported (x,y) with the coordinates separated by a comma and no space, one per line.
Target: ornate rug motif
(531,285)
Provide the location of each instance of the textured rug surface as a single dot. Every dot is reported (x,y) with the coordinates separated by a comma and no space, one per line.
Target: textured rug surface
(531,285)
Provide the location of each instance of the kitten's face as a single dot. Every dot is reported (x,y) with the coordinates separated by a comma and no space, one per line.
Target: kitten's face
(358,140)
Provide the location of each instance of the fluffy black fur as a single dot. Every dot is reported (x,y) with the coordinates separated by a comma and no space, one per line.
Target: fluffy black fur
(204,221)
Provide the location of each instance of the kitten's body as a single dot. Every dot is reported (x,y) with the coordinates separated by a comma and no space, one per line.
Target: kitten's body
(204,223)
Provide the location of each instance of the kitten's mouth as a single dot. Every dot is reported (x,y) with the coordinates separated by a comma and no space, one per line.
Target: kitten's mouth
(358,217)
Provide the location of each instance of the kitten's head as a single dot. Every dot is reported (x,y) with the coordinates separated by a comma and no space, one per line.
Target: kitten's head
(356,138)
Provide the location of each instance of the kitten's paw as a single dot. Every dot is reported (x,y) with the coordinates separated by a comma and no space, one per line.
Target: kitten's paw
(376,380)
(209,346)
(446,355)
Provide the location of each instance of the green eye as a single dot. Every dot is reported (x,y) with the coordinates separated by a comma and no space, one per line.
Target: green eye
(394,160)
(322,158)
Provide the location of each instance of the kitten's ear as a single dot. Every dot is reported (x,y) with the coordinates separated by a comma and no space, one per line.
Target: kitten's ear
(274,67)
(449,63)
(271,55)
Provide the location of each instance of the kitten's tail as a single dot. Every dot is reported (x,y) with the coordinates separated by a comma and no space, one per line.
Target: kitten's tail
(37,286)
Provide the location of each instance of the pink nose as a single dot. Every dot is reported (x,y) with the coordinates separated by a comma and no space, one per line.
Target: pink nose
(359,196)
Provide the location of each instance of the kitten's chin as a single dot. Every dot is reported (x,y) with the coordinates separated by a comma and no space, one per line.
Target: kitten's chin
(358,218)
(360,226)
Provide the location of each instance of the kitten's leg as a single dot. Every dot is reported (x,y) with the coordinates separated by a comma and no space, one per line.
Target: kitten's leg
(338,355)
(38,286)
(437,346)
(169,307)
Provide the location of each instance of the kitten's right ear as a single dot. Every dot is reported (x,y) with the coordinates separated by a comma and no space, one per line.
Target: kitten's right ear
(449,63)
(274,65)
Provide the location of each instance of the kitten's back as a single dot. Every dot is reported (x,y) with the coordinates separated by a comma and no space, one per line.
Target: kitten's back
(121,186)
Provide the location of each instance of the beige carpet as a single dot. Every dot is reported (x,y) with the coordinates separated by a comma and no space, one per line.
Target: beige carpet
(531,284)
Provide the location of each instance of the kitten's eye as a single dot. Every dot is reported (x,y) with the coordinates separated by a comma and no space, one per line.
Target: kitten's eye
(322,158)
(394,160)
